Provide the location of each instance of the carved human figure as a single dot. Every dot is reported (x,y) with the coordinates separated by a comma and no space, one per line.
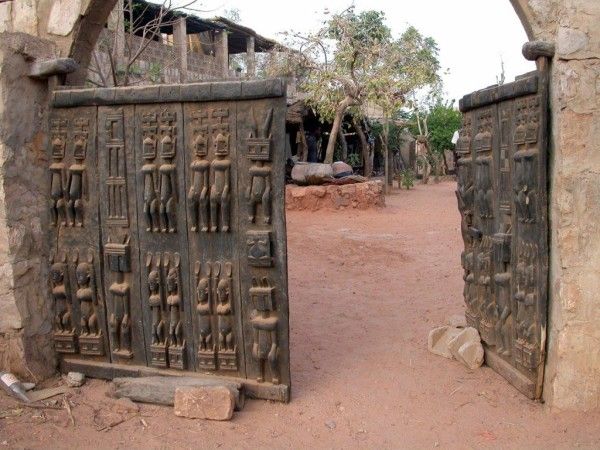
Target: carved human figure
(259,191)
(120,322)
(504,323)
(174,305)
(62,306)
(149,171)
(468,278)
(525,192)
(155,302)
(86,297)
(168,191)
(203,310)
(198,194)
(264,323)
(525,294)
(224,312)
(220,189)
(58,205)
(77,183)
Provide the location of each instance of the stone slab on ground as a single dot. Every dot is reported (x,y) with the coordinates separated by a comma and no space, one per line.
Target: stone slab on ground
(204,402)
(313,198)
(439,338)
(466,348)
(161,390)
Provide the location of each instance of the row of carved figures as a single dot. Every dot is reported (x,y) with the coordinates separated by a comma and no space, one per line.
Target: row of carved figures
(505,320)
(479,194)
(89,339)
(68,185)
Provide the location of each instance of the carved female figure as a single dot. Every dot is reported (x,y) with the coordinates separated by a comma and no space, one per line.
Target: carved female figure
(150,196)
(168,192)
(155,302)
(259,191)
(225,314)
(504,324)
(198,194)
(57,191)
(174,305)
(76,184)
(264,322)
(62,314)
(120,323)
(219,191)
(204,311)
(87,299)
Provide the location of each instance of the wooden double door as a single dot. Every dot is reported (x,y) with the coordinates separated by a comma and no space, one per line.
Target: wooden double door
(167,231)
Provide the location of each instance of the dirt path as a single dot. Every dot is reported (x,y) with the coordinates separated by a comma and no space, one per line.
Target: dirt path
(365,288)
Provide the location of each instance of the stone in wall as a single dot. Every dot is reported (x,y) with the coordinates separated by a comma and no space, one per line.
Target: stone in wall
(63,16)
(5,17)
(25,323)
(25,17)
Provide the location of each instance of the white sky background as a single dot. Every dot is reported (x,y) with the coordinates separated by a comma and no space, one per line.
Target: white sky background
(472,35)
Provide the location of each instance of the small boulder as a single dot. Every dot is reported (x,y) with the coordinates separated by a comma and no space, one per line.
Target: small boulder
(206,402)
(341,169)
(466,347)
(438,340)
(311,173)
(74,379)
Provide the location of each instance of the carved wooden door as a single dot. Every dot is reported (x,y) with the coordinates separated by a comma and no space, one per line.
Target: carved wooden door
(168,232)
(502,198)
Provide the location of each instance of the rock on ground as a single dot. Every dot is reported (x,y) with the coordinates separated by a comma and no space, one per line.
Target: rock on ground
(311,173)
(206,402)
(466,347)
(74,379)
(340,169)
(438,340)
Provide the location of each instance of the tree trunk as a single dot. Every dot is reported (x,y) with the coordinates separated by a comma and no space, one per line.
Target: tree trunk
(337,122)
(344,144)
(302,146)
(364,145)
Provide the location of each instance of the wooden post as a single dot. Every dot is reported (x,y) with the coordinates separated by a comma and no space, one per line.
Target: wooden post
(222,52)
(180,42)
(250,57)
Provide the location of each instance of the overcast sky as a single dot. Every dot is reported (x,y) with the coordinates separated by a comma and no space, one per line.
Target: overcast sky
(473,35)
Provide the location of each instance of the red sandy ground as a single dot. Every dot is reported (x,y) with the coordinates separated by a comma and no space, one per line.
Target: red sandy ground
(365,289)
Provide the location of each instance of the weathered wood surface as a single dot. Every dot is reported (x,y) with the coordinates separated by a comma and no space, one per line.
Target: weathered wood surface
(179,262)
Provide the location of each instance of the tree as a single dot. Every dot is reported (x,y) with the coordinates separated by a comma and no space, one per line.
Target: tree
(441,121)
(353,59)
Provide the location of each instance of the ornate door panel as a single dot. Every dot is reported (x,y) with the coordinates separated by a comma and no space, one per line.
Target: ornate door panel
(119,223)
(187,240)
(212,160)
(160,188)
(262,235)
(502,197)
(75,258)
